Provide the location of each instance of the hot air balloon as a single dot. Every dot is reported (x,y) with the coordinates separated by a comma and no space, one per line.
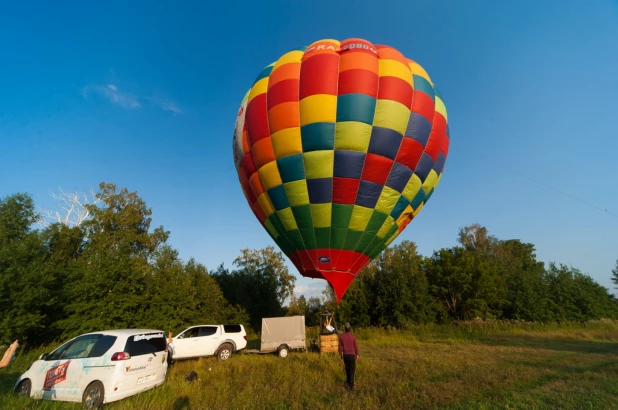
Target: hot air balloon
(338,146)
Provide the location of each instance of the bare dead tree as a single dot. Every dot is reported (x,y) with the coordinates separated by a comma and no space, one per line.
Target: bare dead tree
(71,208)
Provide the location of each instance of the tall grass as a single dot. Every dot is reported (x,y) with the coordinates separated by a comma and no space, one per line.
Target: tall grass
(478,365)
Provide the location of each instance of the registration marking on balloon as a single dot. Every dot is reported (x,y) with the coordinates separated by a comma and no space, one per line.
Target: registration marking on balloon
(338,146)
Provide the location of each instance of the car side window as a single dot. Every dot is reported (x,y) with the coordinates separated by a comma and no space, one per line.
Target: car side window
(76,349)
(104,343)
(207,330)
(80,348)
(56,354)
(190,333)
(231,328)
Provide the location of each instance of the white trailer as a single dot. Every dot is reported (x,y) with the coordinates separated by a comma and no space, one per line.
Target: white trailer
(282,335)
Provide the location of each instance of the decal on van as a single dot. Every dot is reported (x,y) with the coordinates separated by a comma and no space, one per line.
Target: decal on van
(148,337)
(135,369)
(55,375)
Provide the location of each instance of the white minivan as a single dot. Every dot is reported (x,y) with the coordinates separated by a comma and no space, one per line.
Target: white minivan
(98,367)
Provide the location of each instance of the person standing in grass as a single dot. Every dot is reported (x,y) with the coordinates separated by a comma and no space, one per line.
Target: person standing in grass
(348,351)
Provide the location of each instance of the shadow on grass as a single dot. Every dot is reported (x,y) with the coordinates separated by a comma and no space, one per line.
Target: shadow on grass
(564,384)
(181,403)
(7,381)
(569,369)
(548,343)
(559,373)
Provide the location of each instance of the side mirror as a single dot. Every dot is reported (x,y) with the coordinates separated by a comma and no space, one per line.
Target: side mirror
(43,356)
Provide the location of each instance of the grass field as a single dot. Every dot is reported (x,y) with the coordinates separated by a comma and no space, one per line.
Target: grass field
(464,366)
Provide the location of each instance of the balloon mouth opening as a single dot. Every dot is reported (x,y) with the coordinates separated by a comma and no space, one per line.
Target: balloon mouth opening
(338,267)
(339,282)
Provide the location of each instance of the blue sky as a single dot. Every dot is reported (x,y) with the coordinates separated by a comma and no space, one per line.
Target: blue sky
(145,96)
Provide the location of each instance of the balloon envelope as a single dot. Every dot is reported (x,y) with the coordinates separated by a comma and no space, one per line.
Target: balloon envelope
(338,146)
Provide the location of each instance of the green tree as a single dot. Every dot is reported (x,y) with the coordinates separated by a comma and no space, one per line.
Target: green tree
(315,307)
(169,294)
(260,284)
(63,246)
(469,279)
(180,295)
(356,304)
(476,237)
(401,289)
(450,273)
(17,216)
(297,306)
(576,296)
(210,304)
(527,296)
(27,286)
(614,276)
(109,281)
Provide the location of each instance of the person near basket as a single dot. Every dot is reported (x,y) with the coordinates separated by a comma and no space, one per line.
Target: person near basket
(348,351)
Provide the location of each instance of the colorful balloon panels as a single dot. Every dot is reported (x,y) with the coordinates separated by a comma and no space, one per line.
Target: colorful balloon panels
(338,147)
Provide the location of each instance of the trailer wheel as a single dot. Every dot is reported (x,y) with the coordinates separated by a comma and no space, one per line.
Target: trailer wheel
(283,351)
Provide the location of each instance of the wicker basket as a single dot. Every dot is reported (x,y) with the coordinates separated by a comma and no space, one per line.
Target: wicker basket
(329,343)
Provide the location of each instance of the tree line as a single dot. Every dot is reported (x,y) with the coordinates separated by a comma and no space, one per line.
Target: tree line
(482,277)
(109,268)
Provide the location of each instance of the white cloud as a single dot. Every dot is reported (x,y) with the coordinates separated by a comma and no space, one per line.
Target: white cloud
(128,100)
(310,290)
(113,95)
(165,104)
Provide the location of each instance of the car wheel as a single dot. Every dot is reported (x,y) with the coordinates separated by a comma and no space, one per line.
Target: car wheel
(23,388)
(283,351)
(93,395)
(225,352)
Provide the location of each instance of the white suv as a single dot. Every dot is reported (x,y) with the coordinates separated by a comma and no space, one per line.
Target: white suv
(208,340)
(98,367)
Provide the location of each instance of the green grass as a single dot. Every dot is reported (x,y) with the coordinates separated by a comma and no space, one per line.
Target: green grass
(490,365)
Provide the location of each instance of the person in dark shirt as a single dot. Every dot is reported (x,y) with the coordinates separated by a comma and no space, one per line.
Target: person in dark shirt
(348,351)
